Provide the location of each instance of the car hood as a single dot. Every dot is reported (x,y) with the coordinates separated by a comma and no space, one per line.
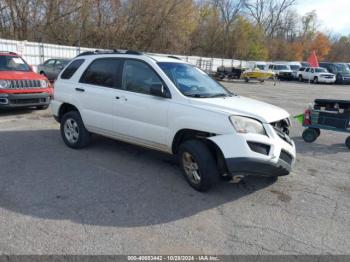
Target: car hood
(18,75)
(239,105)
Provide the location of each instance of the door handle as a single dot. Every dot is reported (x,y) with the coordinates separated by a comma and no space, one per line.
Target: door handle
(79,89)
(123,98)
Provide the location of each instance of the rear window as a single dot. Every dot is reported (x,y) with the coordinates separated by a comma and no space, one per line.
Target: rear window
(72,68)
(103,72)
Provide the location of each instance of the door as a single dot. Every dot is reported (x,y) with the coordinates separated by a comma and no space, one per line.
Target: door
(142,117)
(97,94)
(307,73)
(49,68)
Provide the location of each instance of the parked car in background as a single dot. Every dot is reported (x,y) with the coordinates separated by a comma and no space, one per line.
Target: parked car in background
(52,67)
(305,64)
(316,75)
(295,66)
(341,71)
(20,86)
(282,71)
(172,106)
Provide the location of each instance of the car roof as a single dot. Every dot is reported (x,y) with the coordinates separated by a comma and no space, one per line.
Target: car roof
(3,53)
(156,58)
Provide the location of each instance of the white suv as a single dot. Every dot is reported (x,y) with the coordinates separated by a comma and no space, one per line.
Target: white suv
(316,75)
(172,106)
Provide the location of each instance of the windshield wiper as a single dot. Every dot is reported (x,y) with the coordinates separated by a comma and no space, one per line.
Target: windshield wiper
(193,95)
(219,95)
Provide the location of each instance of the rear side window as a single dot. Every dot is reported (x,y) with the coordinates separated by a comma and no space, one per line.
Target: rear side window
(103,72)
(72,68)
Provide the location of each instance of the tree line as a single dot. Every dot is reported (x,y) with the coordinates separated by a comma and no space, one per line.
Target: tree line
(240,29)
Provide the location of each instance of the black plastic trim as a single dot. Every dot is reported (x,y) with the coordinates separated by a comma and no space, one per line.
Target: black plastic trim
(257,166)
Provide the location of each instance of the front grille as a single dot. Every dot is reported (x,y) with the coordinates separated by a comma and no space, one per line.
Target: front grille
(28,101)
(286,157)
(259,148)
(24,84)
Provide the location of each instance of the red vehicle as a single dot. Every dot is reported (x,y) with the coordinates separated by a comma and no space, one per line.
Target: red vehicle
(20,86)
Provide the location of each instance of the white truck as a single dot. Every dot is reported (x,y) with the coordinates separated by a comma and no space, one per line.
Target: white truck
(169,105)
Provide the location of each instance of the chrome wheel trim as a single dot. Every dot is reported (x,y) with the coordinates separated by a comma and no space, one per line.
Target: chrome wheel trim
(191,168)
(71,130)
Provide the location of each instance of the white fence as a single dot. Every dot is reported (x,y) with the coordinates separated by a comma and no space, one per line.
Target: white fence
(36,53)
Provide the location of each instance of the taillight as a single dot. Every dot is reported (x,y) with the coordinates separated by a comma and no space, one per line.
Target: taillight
(307,117)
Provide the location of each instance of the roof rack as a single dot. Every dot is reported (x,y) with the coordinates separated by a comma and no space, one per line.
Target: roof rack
(8,52)
(107,52)
(174,57)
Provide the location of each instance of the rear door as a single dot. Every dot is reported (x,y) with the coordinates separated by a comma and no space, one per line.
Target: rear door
(142,117)
(98,89)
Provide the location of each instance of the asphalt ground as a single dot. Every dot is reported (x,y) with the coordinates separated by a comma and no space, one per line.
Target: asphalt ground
(115,198)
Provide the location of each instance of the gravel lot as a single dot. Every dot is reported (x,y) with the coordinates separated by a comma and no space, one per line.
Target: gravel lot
(115,198)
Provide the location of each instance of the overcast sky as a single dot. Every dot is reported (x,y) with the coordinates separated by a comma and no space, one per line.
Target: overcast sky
(334,15)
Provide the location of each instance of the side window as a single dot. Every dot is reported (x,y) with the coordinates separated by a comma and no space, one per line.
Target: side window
(72,68)
(138,77)
(102,72)
(312,70)
(50,63)
(307,70)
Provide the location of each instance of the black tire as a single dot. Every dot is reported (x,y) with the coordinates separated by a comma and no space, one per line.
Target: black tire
(347,142)
(206,164)
(316,80)
(301,78)
(318,131)
(246,79)
(310,135)
(82,138)
(42,107)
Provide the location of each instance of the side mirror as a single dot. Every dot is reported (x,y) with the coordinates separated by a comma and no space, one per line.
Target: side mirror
(158,90)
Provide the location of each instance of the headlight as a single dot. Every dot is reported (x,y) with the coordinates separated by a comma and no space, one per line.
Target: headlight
(43,84)
(5,84)
(247,125)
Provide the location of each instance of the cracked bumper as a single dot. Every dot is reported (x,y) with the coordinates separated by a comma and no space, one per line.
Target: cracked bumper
(258,167)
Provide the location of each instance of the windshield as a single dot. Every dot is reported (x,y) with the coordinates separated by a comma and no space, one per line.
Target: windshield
(282,67)
(342,68)
(295,67)
(261,67)
(13,63)
(191,81)
(321,70)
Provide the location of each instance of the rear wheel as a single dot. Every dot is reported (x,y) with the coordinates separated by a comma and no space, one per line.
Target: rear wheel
(246,79)
(300,78)
(316,80)
(347,142)
(73,131)
(310,135)
(198,165)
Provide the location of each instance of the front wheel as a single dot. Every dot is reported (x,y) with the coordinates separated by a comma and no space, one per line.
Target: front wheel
(198,165)
(73,131)
(310,135)
(316,80)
